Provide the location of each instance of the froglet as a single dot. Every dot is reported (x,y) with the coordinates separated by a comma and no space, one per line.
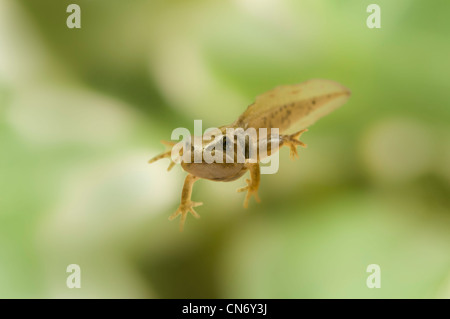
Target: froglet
(288,108)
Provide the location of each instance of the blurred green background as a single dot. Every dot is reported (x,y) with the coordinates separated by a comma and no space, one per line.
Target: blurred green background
(82,110)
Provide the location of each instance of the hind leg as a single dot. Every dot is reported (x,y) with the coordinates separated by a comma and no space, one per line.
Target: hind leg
(292,142)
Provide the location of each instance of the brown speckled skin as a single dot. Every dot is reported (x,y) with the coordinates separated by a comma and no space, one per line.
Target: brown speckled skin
(290,108)
(284,115)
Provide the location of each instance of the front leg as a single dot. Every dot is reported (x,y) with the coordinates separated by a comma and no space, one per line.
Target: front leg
(167,154)
(186,204)
(252,183)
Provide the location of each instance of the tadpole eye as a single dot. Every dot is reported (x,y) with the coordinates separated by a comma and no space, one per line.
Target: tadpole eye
(247,147)
(225,142)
